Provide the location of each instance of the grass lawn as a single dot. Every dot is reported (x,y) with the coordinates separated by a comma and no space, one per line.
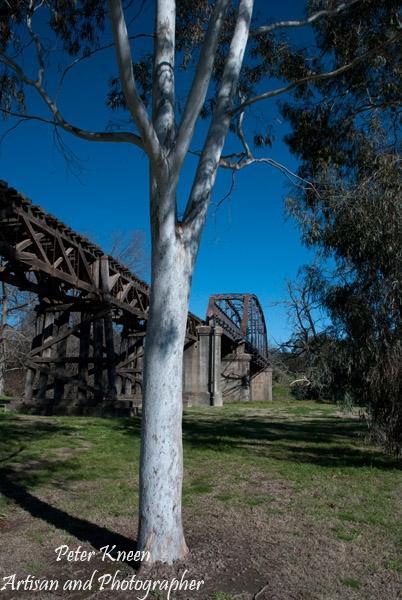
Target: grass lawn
(281,500)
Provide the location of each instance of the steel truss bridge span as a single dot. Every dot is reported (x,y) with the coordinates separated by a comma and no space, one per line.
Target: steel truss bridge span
(91,316)
(242,320)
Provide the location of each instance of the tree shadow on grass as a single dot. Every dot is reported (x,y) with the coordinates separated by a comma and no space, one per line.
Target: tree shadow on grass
(329,442)
(326,442)
(128,425)
(83,530)
(23,474)
(20,431)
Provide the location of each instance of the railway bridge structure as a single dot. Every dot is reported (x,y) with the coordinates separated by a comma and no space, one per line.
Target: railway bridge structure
(90,328)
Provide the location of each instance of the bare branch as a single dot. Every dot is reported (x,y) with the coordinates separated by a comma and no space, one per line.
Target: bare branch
(163,95)
(138,13)
(229,192)
(260,592)
(12,128)
(312,77)
(303,22)
(88,55)
(241,134)
(246,161)
(133,100)
(200,84)
(91,136)
(19,307)
(375,106)
(197,206)
(301,380)
(36,40)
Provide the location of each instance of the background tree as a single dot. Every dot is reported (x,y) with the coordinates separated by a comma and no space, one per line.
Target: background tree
(211,37)
(15,312)
(358,222)
(313,347)
(349,145)
(129,248)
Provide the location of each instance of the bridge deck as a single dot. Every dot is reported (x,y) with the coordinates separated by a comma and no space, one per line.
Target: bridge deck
(71,274)
(46,256)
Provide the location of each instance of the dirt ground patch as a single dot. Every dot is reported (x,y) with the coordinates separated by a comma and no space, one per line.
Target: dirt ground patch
(276,507)
(245,555)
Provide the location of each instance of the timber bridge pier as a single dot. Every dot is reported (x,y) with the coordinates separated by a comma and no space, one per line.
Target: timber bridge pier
(87,350)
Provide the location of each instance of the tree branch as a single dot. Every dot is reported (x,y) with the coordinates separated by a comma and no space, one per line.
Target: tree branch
(241,135)
(138,13)
(91,136)
(89,55)
(7,132)
(374,106)
(197,206)
(19,307)
(313,77)
(303,22)
(133,100)
(36,40)
(163,96)
(200,84)
(229,192)
(246,161)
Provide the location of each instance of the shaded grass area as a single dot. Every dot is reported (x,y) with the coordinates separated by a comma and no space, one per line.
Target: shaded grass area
(320,454)
(301,458)
(58,451)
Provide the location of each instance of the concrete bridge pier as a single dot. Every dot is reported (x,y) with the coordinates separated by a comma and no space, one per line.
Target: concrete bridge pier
(261,386)
(202,368)
(236,375)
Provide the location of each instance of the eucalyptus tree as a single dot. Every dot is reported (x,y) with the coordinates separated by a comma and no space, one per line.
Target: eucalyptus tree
(15,309)
(349,144)
(358,222)
(222,86)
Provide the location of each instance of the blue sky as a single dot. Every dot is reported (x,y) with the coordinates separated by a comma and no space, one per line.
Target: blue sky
(247,245)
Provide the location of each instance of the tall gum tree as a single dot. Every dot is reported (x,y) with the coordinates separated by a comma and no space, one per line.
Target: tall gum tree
(224,87)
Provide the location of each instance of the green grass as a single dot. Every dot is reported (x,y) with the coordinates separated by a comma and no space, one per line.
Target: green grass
(236,456)
(352,583)
(34,566)
(281,392)
(36,452)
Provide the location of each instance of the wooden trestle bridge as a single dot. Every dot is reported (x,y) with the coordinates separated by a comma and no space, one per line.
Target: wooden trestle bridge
(91,316)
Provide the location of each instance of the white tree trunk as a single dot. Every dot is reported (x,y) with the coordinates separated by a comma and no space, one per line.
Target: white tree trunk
(174,247)
(161,464)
